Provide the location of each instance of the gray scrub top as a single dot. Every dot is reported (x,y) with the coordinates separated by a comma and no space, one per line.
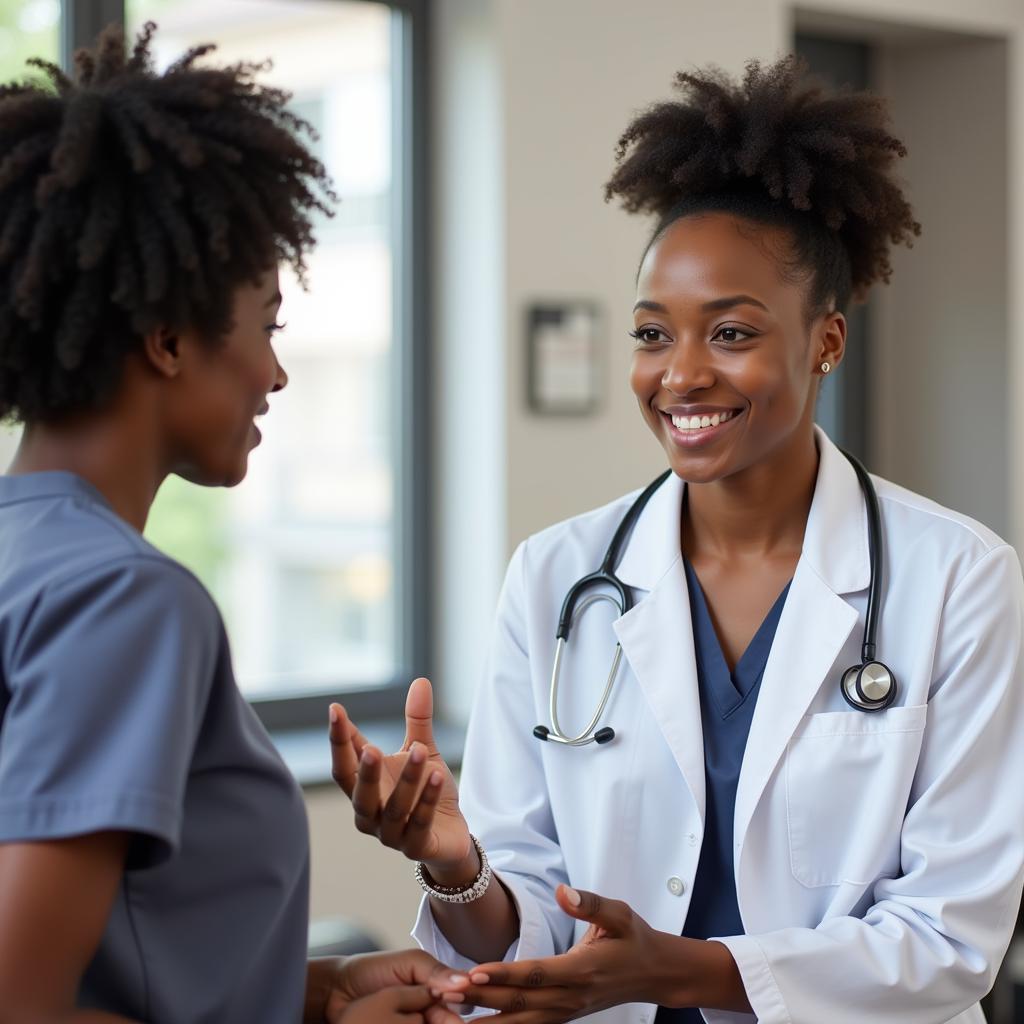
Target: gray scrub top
(119,710)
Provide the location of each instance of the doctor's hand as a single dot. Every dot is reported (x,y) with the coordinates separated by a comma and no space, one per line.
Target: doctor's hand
(620,959)
(408,799)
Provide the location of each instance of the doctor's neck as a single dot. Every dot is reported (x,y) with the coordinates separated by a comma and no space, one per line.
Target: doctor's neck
(760,511)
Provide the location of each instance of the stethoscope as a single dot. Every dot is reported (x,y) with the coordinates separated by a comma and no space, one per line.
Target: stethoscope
(869,686)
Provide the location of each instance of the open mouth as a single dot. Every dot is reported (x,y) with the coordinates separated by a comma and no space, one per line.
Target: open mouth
(262,411)
(700,427)
(701,422)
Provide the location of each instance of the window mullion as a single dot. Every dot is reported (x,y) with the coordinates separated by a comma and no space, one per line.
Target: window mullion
(81,21)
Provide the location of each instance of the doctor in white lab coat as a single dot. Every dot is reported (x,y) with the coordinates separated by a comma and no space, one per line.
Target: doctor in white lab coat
(876,857)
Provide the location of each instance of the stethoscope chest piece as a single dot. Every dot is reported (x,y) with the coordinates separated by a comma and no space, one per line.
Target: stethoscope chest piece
(870,686)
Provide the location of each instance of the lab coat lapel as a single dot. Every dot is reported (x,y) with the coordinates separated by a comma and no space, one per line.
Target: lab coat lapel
(657,633)
(815,624)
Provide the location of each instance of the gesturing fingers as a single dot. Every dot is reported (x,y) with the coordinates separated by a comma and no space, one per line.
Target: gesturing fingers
(611,917)
(344,755)
(366,792)
(419,827)
(403,798)
(419,716)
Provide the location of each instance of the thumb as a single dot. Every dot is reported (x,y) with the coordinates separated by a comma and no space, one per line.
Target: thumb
(611,915)
(419,716)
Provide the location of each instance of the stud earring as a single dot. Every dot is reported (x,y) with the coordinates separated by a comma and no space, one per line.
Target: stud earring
(825,367)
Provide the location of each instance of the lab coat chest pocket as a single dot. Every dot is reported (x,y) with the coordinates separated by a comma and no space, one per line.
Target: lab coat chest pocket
(848,777)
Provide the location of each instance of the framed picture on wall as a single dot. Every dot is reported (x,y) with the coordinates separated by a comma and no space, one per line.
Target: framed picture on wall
(563,358)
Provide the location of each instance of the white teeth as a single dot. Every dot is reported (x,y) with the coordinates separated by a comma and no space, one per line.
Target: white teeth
(701,422)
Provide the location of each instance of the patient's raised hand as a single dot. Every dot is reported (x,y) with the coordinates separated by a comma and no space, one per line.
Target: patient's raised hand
(408,799)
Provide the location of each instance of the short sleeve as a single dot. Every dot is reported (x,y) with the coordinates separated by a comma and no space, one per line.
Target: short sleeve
(108,683)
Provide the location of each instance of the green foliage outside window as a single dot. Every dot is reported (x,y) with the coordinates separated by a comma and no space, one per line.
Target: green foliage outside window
(28,28)
(188,523)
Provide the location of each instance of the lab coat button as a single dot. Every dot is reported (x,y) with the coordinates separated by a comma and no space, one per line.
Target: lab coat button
(691,838)
(675,886)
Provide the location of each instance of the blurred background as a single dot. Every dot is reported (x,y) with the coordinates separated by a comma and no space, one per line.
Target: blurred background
(429,427)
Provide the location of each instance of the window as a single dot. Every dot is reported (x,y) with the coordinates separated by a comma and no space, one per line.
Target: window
(316,559)
(28,28)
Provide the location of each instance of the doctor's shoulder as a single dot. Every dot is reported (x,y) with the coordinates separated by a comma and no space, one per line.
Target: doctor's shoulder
(932,542)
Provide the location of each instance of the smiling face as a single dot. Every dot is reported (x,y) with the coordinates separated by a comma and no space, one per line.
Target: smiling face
(725,366)
(221,388)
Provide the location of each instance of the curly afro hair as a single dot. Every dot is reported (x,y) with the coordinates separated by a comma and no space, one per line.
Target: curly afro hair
(776,148)
(131,200)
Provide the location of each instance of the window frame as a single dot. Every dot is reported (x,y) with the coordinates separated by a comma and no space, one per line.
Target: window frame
(81,22)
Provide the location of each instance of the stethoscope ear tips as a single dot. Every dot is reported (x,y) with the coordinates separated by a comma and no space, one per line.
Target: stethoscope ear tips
(869,687)
(605,735)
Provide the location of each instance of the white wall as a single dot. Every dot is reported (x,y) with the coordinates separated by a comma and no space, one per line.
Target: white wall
(940,367)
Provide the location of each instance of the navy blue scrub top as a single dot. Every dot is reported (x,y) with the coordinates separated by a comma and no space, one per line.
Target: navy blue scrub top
(727,702)
(119,711)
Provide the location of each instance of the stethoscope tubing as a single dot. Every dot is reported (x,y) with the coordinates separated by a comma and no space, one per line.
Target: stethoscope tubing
(556,733)
(874,521)
(606,574)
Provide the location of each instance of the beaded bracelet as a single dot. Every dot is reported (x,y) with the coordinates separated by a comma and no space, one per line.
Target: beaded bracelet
(457,893)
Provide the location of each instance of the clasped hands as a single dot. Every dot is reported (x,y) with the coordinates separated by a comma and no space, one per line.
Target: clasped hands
(620,959)
(607,967)
(381,988)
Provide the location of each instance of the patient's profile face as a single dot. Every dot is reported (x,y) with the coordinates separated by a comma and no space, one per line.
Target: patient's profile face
(224,386)
(725,359)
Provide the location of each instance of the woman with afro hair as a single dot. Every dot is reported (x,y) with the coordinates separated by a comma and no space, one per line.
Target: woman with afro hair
(153,847)
(748,837)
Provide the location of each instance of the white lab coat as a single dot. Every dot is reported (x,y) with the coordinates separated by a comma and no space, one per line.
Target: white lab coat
(878,857)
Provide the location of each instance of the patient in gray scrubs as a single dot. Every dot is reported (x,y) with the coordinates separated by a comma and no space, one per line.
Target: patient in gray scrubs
(153,847)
